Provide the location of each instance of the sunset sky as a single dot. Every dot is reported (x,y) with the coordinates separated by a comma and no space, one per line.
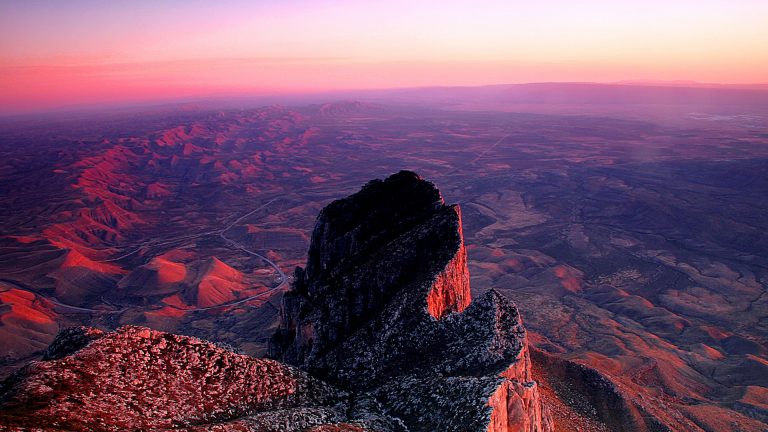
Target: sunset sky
(59,53)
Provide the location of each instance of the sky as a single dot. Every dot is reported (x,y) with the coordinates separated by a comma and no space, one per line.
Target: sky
(65,53)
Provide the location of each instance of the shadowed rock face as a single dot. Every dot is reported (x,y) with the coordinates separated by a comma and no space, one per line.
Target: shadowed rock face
(384,307)
(394,239)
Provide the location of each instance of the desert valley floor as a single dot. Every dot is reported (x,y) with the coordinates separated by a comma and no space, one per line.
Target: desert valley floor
(630,244)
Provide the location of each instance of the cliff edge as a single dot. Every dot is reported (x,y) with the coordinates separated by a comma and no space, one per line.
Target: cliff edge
(384,307)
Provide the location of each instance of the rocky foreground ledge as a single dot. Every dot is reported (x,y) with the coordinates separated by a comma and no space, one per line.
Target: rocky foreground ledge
(379,333)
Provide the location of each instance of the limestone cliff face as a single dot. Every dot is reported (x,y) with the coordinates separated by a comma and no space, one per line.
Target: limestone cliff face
(450,290)
(384,307)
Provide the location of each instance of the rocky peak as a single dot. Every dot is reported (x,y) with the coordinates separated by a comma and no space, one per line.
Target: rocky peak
(361,224)
(384,307)
(366,250)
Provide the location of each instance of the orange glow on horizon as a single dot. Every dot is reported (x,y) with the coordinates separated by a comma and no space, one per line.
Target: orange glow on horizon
(88,52)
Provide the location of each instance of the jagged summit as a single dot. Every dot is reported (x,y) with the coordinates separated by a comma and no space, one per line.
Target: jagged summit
(359,224)
(384,306)
(394,237)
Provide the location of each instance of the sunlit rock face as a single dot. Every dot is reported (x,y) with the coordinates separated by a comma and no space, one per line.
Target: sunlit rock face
(384,307)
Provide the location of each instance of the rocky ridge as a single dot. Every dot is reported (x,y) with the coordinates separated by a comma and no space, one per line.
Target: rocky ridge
(140,379)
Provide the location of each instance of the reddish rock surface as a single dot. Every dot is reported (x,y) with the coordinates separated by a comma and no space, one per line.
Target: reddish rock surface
(450,291)
(141,379)
(517,406)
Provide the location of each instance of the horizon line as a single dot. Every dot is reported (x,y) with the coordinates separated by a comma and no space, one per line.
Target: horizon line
(253,95)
